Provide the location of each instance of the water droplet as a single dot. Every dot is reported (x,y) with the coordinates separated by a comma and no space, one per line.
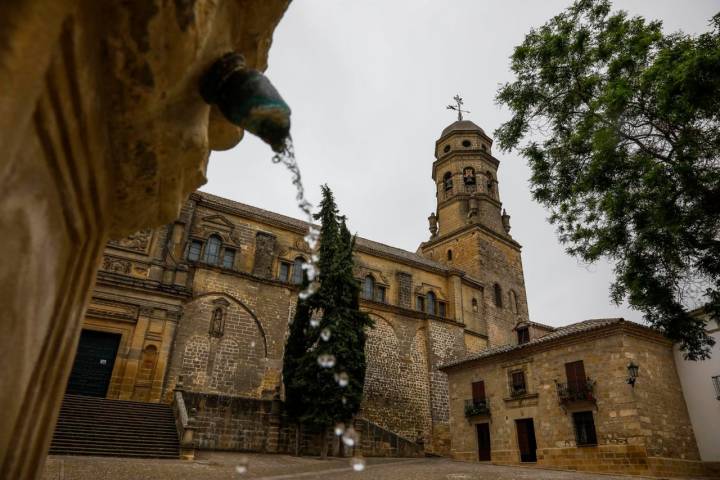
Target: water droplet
(357,463)
(325,334)
(326,360)
(339,429)
(342,379)
(350,437)
(242,467)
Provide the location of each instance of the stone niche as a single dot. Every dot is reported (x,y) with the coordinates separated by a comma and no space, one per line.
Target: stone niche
(103,133)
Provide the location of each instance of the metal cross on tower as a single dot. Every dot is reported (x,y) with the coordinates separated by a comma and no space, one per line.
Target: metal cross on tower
(458,99)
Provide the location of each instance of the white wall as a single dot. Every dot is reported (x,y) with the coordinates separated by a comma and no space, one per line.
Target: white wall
(701,399)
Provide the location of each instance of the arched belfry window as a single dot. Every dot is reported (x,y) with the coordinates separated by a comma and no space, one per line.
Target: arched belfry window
(297,273)
(217,323)
(469,179)
(212,250)
(368,288)
(498,296)
(447,182)
(431,302)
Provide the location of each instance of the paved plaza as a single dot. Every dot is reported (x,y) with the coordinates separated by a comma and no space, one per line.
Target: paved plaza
(282,467)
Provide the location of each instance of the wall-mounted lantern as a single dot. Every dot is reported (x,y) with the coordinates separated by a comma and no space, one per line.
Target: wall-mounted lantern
(632,373)
(716,382)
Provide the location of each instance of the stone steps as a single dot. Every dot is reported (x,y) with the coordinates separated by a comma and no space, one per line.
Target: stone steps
(120,428)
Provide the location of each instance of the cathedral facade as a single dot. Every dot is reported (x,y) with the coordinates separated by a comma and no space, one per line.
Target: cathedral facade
(209,297)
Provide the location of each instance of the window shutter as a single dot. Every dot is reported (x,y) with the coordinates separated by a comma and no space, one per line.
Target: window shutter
(575,372)
(478,391)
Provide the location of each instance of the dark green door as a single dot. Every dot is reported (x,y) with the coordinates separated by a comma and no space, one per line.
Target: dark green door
(94,362)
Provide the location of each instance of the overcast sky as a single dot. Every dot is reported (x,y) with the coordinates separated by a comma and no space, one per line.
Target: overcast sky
(368,83)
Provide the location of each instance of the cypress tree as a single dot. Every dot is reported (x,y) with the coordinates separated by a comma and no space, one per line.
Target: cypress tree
(324,365)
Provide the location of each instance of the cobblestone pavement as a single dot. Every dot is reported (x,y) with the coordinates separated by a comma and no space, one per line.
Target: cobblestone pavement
(283,467)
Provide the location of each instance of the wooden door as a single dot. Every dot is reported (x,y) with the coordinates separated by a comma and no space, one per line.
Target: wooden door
(93,364)
(576,380)
(483,441)
(526,440)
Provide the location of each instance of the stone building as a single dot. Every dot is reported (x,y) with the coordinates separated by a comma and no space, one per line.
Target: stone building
(209,297)
(599,395)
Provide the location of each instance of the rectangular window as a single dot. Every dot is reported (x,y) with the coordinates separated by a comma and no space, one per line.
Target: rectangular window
(380,294)
(228,258)
(518,383)
(523,335)
(284,274)
(194,250)
(584,428)
(420,303)
(442,309)
(478,391)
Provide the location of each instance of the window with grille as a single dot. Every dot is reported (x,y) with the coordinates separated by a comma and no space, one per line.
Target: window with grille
(212,250)
(584,428)
(517,383)
(194,250)
(228,258)
(498,296)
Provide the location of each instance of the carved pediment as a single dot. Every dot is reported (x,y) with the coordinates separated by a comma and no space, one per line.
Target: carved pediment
(219,221)
(362,271)
(424,288)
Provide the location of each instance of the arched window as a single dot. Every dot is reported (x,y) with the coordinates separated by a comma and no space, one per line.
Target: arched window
(513,301)
(474,305)
(431,301)
(217,325)
(490,182)
(297,273)
(484,148)
(368,287)
(469,176)
(447,182)
(212,250)
(449,255)
(498,296)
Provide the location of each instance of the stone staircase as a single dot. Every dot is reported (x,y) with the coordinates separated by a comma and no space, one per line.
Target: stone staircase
(118,428)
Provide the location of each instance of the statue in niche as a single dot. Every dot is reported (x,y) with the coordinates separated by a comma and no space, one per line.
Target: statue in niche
(217,323)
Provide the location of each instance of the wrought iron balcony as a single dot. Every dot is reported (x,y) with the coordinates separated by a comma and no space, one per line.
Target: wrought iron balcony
(477,407)
(576,392)
(716,382)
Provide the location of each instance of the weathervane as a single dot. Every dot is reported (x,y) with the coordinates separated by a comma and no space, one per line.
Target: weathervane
(458,99)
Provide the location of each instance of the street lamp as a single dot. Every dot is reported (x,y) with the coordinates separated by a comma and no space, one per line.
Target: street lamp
(632,373)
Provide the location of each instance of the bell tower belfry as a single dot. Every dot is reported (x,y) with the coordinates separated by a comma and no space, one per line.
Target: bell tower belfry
(470,230)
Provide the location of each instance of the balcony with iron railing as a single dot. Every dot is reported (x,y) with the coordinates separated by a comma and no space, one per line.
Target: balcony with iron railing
(474,408)
(576,392)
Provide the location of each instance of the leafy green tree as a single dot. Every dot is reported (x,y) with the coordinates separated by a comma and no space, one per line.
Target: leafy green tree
(324,362)
(620,125)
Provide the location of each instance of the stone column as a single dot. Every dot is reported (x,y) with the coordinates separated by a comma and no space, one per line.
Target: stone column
(134,356)
(95,145)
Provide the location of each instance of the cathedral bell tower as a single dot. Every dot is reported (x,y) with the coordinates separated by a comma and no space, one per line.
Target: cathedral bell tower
(470,231)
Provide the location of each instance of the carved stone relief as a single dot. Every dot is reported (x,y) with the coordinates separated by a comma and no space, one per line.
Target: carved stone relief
(136,242)
(115,265)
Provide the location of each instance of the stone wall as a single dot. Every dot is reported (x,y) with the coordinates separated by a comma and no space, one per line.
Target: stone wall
(641,430)
(234,423)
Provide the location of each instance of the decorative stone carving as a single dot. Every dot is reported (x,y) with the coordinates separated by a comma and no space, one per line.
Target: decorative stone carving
(136,242)
(264,254)
(115,265)
(506,221)
(432,220)
(472,214)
